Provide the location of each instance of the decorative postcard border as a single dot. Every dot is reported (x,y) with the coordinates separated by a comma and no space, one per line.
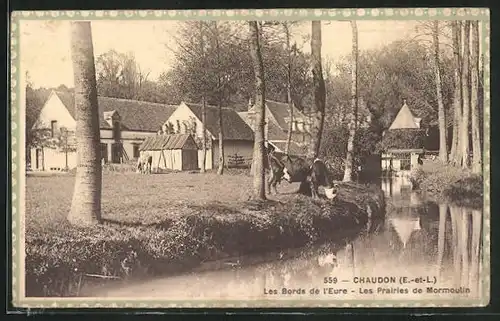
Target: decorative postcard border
(17,151)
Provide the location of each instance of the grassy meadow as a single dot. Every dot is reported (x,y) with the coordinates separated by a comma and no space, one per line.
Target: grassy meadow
(163,223)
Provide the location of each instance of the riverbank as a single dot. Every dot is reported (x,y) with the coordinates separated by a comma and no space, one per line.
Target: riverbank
(161,224)
(459,186)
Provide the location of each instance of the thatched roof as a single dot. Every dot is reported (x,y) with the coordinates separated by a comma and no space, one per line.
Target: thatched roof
(234,127)
(135,115)
(162,142)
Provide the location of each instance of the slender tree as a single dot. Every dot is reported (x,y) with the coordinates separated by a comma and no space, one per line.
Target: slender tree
(286,28)
(216,35)
(201,36)
(443,149)
(318,108)
(86,203)
(464,135)
(476,143)
(259,190)
(457,92)
(353,124)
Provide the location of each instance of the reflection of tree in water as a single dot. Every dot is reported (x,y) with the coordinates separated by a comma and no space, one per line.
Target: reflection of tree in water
(447,237)
(466,240)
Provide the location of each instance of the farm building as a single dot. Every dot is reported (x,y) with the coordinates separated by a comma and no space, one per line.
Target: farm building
(176,152)
(277,123)
(124,124)
(238,136)
(403,143)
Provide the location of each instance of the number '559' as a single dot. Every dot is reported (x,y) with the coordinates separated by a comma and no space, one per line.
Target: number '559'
(330,280)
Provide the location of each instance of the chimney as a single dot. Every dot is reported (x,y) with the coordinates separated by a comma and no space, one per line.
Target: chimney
(250,104)
(404,101)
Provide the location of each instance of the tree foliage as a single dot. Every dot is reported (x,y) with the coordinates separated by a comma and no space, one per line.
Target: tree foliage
(120,76)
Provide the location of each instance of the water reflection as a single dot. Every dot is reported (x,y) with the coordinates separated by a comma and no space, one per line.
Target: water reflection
(418,238)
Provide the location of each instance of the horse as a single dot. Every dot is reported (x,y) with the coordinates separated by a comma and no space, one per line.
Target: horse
(144,163)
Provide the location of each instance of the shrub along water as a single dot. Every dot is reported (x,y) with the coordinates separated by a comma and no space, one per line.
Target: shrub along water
(58,255)
(460,186)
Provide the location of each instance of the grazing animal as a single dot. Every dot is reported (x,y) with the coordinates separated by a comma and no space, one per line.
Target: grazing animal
(144,164)
(311,175)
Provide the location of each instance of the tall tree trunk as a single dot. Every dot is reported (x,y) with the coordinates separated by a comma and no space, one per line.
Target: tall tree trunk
(259,191)
(203,98)
(86,203)
(464,144)
(353,124)
(318,108)
(203,135)
(476,143)
(457,92)
(289,87)
(443,149)
(220,91)
(220,170)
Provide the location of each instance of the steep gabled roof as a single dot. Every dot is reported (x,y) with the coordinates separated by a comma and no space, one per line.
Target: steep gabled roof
(274,131)
(135,115)
(174,141)
(405,119)
(234,127)
(279,112)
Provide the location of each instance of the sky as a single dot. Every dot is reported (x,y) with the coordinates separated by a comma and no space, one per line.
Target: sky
(45,45)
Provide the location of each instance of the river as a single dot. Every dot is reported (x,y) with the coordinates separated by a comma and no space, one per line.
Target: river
(422,249)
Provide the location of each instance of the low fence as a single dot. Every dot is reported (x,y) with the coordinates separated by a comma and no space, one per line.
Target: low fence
(238,161)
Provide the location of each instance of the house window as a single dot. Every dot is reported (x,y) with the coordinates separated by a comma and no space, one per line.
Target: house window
(195,128)
(178,126)
(53,128)
(104,152)
(136,151)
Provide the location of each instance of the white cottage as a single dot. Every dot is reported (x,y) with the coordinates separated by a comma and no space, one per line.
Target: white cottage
(124,124)
(238,136)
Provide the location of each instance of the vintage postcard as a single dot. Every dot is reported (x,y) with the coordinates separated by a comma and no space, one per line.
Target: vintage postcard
(251,158)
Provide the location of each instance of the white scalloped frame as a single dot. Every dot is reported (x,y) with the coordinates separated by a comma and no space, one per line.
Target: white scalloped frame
(17,153)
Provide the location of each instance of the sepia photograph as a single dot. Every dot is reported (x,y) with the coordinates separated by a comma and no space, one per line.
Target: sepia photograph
(251,158)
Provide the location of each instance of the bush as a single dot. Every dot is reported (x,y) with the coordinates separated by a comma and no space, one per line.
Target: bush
(457,184)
